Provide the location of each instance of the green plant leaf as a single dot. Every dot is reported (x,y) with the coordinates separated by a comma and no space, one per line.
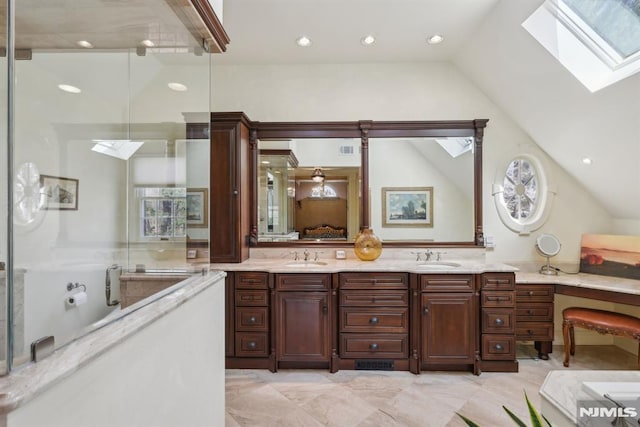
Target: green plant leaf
(536,420)
(514,417)
(467,420)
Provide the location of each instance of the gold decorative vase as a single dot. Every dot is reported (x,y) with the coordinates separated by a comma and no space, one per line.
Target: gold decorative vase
(367,245)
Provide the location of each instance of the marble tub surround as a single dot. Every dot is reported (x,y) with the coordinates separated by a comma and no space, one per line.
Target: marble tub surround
(26,383)
(281,260)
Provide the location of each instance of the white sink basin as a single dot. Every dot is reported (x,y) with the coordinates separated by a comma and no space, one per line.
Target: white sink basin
(305,264)
(437,265)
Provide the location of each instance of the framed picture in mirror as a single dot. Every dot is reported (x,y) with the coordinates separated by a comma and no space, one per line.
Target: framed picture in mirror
(197,207)
(62,193)
(407,206)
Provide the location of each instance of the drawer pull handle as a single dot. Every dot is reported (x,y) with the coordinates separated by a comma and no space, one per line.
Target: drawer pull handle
(499,321)
(373,320)
(530,292)
(252,319)
(498,347)
(373,346)
(252,345)
(325,309)
(529,331)
(425,310)
(529,312)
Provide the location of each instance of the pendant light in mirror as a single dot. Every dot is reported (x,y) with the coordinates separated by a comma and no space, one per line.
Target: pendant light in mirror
(318,175)
(548,245)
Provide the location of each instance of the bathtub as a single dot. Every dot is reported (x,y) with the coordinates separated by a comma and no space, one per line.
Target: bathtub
(46,309)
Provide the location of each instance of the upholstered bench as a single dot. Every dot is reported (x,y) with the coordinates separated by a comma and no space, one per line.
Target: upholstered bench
(601,321)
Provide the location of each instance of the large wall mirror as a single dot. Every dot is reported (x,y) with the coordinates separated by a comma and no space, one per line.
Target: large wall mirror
(414,183)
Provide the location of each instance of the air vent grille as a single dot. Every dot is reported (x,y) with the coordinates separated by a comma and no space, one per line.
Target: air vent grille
(347,150)
(374,364)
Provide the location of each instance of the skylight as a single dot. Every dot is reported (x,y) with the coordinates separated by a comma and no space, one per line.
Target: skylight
(598,41)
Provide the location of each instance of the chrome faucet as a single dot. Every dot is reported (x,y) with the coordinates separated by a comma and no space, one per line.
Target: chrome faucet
(306,254)
(428,255)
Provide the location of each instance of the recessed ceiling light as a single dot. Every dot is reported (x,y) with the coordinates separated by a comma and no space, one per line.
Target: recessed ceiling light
(178,87)
(303,41)
(368,40)
(586,160)
(147,43)
(85,43)
(435,39)
(69,88)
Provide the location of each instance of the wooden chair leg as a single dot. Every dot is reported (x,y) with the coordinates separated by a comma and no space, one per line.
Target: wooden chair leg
(572,339)
(567,343)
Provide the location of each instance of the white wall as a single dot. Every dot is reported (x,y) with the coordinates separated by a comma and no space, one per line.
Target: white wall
(170,373)
(429,91)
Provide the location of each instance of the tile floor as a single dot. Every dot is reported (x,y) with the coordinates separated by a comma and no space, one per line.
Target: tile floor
(378,398)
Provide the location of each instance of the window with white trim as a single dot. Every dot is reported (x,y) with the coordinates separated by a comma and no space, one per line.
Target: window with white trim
(163,211)
(522,194)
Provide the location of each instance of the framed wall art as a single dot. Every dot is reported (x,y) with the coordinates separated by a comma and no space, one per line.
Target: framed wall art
(62,193)
(407,206)
(197,207)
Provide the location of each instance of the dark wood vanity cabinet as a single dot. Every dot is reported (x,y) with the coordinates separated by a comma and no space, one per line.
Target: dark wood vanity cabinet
(248,320)
(373,320)
(498,316)
(448,321)
(303,312)
(230,188)
(534,316)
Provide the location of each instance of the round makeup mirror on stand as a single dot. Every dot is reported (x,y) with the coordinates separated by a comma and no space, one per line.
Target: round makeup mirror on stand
(548,245)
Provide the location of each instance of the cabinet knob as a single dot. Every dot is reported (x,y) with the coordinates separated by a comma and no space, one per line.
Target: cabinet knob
(252,345)
(325,309)
(529,331)
(373,346)
(529,312)
(498,347)
(252,319)
(425,310)
(530,292)
(373,320)
(235,192)
(499,321)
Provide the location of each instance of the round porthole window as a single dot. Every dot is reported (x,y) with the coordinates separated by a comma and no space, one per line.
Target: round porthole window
(522,194)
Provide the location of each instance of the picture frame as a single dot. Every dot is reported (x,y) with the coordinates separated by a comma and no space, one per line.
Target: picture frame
(62,193)
(197,207)
(407,206)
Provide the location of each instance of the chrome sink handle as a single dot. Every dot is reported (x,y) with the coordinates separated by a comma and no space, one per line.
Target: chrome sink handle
(417,254)
(306,254)
(316,255)
(427,255)
(439,255)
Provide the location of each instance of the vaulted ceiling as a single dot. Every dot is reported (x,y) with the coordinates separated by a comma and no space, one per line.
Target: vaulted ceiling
(485,40)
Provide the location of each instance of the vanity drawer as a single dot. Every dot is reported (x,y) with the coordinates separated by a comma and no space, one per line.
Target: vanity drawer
(541,312)
(251,298)
(376,298)
(251,280)
(535,293)
(303,282)
(356,319)
(251,344)
(446,282)
(498,281)
(498,347)
(374,280)
(534,331)
(498,320)
(498,298)
(252,319)
(392,346)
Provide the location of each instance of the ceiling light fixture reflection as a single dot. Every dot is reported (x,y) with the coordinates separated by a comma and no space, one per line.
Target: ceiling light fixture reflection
(147,43)
(586,161)
(69,88)
(368,40)
(178,87)
(318,175)
(303,41)
(265,162)
(85,43)
(435,39)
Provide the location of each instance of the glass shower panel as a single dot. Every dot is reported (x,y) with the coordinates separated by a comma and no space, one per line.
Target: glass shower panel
(169,173)
(4,182)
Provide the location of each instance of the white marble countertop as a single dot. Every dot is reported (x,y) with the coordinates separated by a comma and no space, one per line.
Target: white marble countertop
(448,266)
(26,382)
(582,280)
(563,388)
